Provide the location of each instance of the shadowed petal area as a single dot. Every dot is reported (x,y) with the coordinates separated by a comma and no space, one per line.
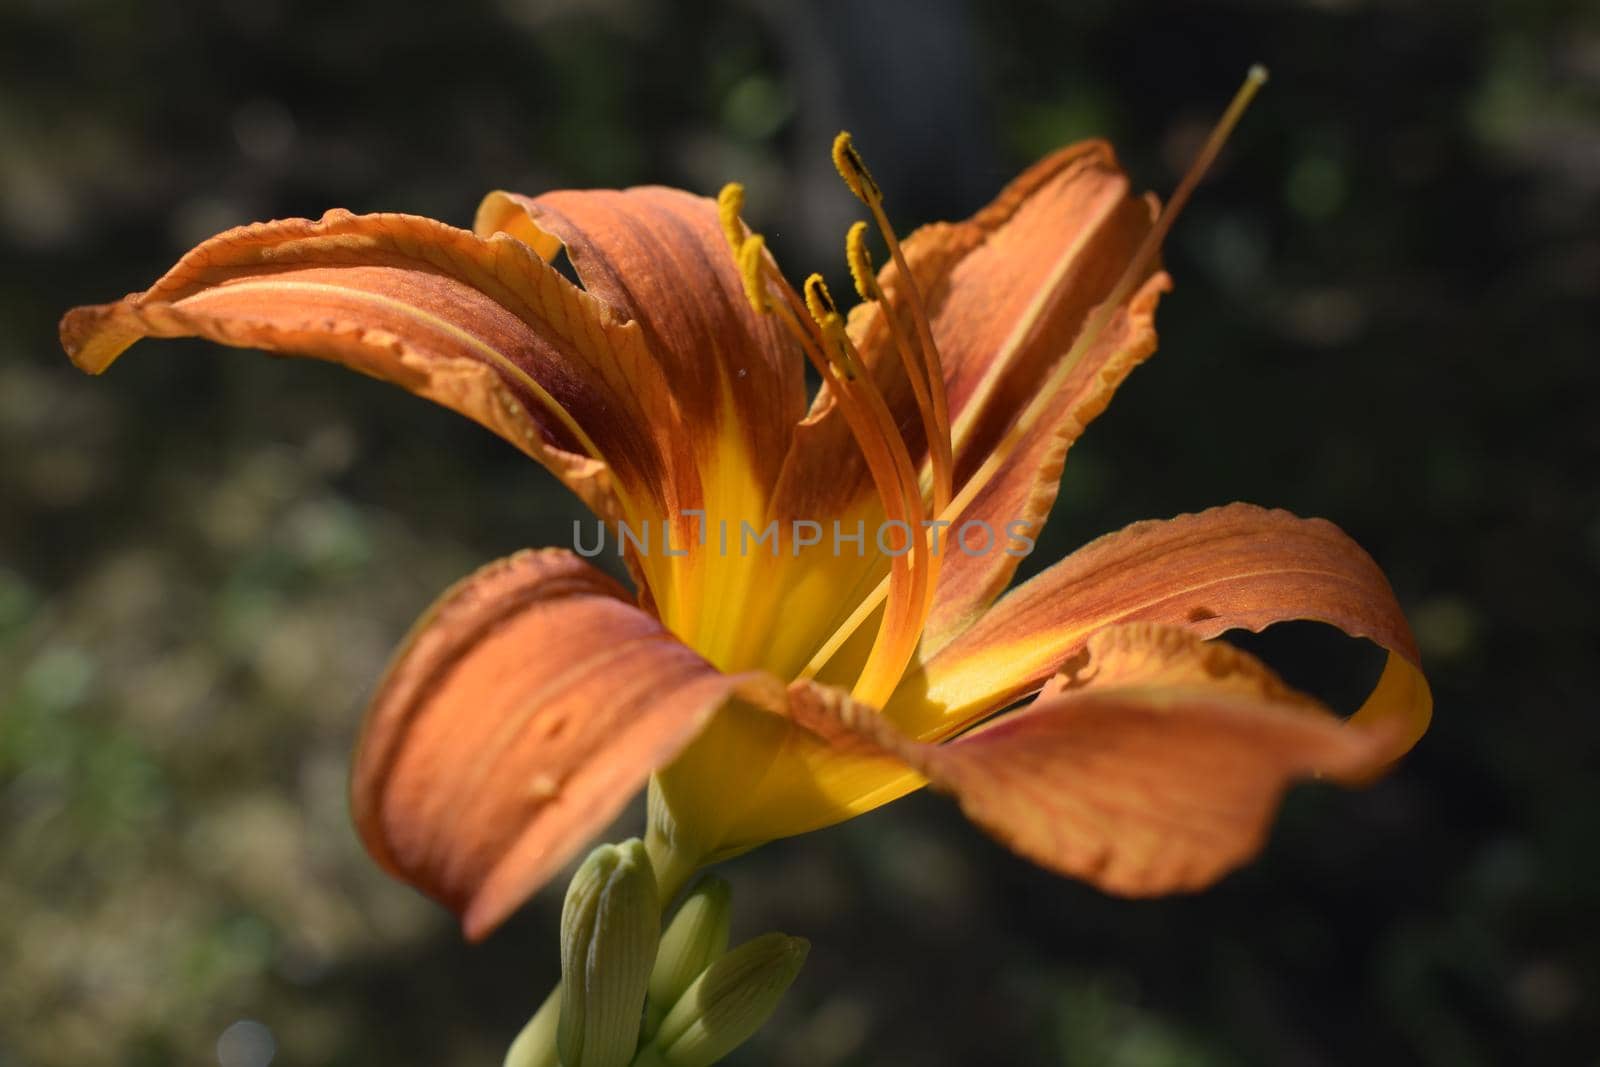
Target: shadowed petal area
(483,327)
(525,710)
(1232,567)
(1155,768)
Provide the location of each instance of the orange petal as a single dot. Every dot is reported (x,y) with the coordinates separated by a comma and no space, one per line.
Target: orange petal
(483,327)
(525,710)
(658,257)
(1156,769)
(1232,567)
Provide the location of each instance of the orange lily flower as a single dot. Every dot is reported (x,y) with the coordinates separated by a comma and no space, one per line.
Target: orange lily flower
(768,691)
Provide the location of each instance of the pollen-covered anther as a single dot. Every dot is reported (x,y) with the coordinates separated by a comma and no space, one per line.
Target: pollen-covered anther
(818,300)
(839,346)
(825,313)
(853,169)
(730,205)
(861,272)
(752,257)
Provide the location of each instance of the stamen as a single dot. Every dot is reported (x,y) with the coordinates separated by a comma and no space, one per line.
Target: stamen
(843,356)
(829,349)
(1131,276)
(825,313)
(730,205)
(894,481)
(902,622)
(853,169)
(939,444)
(869,424)
(866,282)
(910,583)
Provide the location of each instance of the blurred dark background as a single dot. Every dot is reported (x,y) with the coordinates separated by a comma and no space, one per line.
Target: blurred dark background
(1385,314)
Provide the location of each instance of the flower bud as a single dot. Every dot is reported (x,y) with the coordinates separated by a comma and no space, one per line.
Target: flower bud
(609,927)
(729,1001)
(697,935)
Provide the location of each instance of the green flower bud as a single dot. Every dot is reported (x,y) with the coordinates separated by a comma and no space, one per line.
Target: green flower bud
(697,935)
(728,1002)
(536,1045)
(609,927)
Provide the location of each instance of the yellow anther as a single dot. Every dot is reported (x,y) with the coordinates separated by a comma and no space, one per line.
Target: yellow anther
(752,254)
(825,313)
(730,205)
(854,170)
(855,250)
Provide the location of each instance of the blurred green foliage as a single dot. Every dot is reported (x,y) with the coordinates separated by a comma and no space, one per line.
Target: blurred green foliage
(1385,314)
